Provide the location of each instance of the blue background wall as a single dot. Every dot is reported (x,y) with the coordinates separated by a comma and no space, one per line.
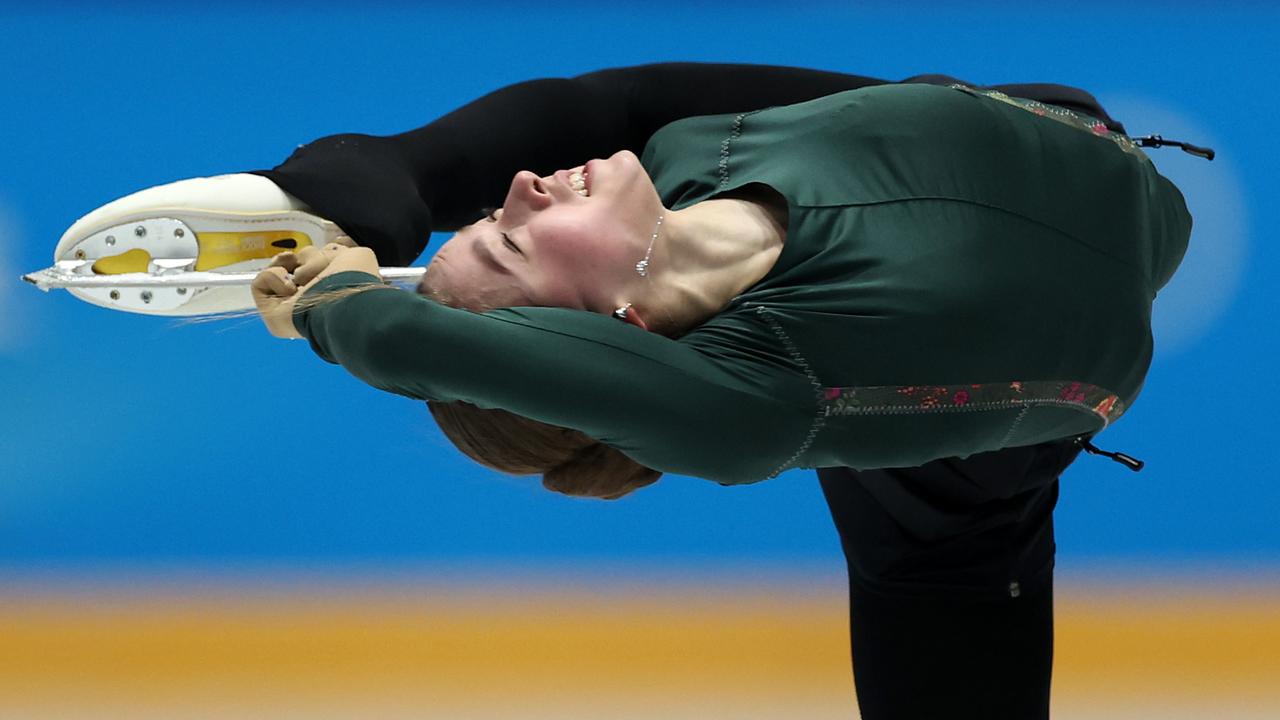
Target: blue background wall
(133,441)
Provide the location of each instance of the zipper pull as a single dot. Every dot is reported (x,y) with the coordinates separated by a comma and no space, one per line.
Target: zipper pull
(1132,463)
(1158,141)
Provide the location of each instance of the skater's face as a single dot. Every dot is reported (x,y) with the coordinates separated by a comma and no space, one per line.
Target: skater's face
(550,246)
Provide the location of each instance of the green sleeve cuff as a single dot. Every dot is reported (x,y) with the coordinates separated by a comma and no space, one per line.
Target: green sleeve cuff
(303,317)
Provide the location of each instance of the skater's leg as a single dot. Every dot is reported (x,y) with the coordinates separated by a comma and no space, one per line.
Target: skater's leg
(950,572)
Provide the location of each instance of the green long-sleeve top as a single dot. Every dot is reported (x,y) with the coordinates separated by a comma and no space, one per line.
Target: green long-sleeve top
(962,271)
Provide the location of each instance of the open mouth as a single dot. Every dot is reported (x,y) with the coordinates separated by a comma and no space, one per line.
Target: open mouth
(578,182)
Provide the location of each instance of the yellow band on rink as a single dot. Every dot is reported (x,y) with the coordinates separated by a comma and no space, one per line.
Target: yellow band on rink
(517,652)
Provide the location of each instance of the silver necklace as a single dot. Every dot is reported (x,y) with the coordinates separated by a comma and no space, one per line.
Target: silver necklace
(642,268)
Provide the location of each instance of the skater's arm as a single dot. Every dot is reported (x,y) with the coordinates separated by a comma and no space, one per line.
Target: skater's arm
(674,406)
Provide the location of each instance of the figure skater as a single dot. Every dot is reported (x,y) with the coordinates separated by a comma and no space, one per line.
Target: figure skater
(932,292)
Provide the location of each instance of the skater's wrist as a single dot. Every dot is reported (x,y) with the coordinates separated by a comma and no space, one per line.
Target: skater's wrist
(314,296)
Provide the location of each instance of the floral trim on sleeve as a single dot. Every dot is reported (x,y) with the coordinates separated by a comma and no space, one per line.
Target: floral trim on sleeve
(910,399)
(1079,121)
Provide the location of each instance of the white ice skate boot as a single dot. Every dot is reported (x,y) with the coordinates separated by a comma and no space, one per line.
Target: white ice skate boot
(221,224)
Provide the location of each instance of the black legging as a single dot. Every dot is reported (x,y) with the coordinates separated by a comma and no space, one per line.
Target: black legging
(951,582)
(950,563)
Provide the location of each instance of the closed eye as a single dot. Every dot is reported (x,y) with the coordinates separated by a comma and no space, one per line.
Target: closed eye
(492,216)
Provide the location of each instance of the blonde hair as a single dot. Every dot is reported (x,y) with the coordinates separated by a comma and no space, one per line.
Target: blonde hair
(570,462)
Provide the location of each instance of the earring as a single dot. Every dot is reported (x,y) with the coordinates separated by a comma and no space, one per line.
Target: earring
(621,313)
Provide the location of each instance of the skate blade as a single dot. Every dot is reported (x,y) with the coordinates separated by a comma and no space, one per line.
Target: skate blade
(172,287)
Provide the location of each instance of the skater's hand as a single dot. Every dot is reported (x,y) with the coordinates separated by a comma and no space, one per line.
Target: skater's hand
(277,288)
(331,260)
(307,264)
